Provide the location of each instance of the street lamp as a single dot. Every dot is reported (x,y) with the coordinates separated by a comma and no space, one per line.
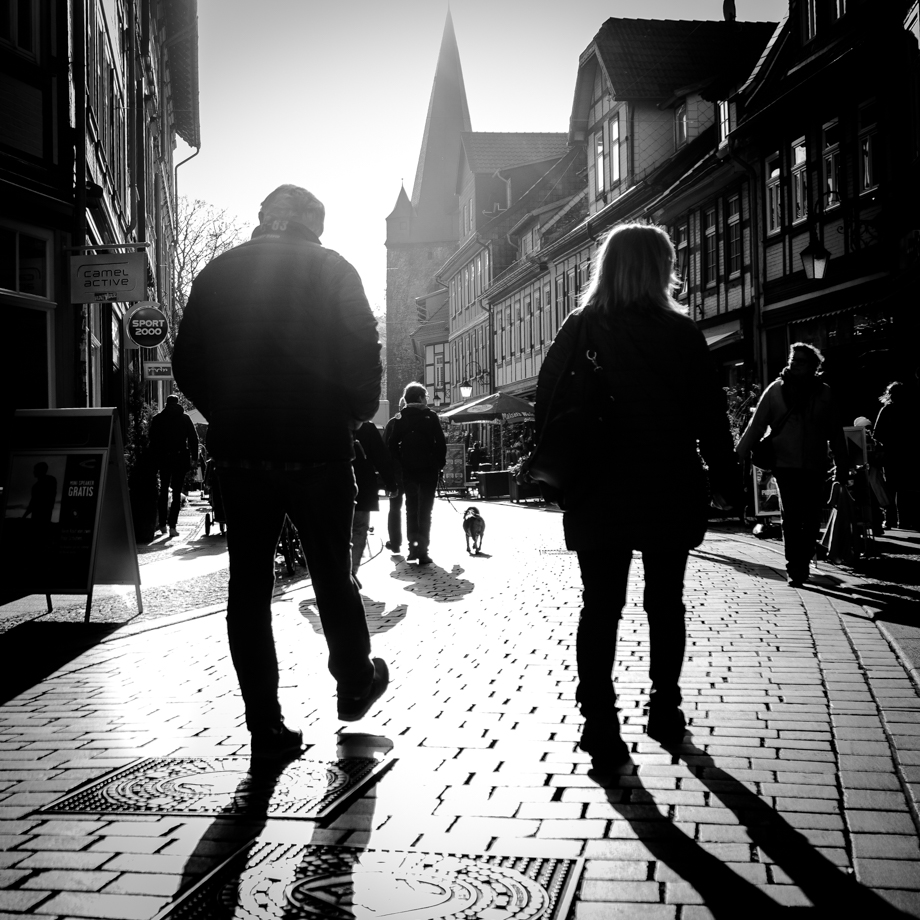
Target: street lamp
(437,399)
(466,387)
(814,259)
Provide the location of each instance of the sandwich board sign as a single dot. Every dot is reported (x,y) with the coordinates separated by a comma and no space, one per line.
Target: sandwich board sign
(453,476)
(66,523)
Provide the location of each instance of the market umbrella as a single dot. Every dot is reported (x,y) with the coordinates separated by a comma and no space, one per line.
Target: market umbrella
(497,407)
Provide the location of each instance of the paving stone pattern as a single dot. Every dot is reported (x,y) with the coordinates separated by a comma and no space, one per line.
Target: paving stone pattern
(795,788)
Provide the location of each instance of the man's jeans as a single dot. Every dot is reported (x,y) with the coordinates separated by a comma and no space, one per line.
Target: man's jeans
(801,499)
(172,478)
(419,489)
(320,502)
(604,575)
(394,519)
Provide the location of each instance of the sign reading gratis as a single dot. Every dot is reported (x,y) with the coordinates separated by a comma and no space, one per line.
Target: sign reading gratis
(147,326)
(112,276)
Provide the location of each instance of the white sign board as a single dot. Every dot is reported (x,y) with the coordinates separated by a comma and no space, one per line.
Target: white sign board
(115,276)
(158,370)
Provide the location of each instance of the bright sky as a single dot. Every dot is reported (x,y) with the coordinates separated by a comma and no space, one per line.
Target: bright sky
(333,95)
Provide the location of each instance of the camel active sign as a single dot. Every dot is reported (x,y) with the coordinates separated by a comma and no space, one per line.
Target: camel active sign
(112,276)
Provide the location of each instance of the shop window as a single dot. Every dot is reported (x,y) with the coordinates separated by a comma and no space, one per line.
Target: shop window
(799,175)
(733,235)
(24,262)
(773,195)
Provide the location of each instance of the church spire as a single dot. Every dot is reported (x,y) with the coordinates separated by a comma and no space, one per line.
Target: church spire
(434,192)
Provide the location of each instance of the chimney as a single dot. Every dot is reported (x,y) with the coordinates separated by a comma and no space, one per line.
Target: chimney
(728,10)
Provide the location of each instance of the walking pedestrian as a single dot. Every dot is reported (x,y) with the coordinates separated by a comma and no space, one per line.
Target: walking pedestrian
(394,517)
(174,444)
(800,408)
(417,444)
(650,491)
(897,430)
(278,348)
(371,458)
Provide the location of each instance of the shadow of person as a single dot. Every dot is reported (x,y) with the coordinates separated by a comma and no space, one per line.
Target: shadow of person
(379,619)
(832,891)
(243,821)
(742,565)
(433,582)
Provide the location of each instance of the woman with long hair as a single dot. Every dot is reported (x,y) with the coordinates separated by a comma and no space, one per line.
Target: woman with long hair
(662,406)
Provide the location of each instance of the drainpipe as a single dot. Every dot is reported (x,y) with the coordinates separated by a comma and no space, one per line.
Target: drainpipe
(176,183)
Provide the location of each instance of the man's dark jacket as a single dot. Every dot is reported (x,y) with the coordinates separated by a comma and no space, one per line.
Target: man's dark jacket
(278,349)
(412,420)
(173,439)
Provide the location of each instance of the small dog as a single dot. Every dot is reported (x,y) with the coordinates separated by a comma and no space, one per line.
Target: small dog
(474,527)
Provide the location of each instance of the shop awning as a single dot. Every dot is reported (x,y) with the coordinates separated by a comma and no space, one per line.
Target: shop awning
(723,338)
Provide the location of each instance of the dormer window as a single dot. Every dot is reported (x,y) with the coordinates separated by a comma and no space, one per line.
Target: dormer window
(680,125)
(809,19)
(600,161)
(19,26)
(723,113)
(615,149)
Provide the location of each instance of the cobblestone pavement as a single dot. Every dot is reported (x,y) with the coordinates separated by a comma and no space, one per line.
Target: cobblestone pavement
(798,788)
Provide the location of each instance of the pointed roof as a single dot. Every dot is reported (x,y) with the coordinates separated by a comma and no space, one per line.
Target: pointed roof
(652,58)
(433,194)
(403,205)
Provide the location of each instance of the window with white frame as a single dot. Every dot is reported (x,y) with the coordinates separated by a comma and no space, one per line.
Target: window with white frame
(24,260)
(868,143)
(773,194)
(680,125)
(733,235)
(809,19)
(19,26)
(682,248)
(838,8)
(724,120)
(615,149)
(799,183)
(600,161)
(830,164)
(710,247)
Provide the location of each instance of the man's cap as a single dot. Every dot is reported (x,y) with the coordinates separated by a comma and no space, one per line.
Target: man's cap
(172,398)
(862,422)
(293,203)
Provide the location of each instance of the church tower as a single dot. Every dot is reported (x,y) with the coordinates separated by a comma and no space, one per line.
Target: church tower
(424,232)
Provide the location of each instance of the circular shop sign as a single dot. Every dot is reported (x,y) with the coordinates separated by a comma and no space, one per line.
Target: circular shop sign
(147,327)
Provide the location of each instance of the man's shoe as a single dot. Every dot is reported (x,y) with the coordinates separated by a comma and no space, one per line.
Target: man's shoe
(608,751)
(424,559)
(352,708)
(173,532)
(391,546)
(277,743)
(667,725)
(413,555)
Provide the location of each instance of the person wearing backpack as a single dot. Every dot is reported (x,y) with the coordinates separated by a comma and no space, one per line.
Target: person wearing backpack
(417,445)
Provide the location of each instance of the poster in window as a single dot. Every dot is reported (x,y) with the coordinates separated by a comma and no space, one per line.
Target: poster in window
(766,494)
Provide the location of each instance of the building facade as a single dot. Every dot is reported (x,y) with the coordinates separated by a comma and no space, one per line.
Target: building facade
(93,94)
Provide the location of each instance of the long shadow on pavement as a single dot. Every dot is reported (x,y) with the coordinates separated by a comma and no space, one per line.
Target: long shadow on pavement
(33,651)
(726,894)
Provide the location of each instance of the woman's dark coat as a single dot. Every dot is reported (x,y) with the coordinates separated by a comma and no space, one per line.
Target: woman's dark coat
(644,484)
